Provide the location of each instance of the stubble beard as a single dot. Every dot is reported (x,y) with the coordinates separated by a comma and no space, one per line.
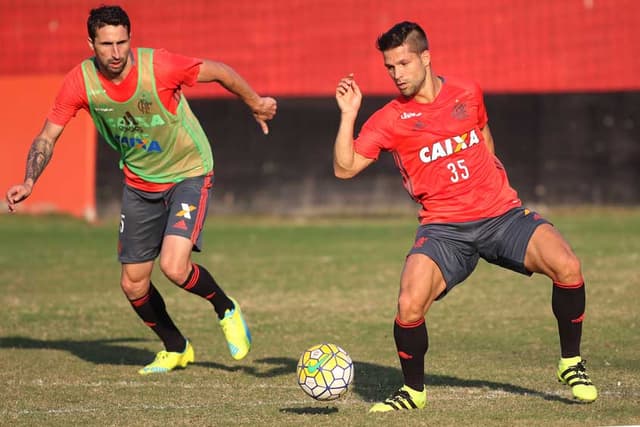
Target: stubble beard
(112,73)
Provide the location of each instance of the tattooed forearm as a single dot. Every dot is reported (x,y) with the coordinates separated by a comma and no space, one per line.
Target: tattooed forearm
(39,155)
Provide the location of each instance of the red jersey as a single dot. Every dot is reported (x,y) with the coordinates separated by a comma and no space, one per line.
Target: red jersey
(171,72)
(440,151)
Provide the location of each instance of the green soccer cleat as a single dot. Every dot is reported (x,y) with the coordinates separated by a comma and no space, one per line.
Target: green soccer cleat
(573,373)
(236,332)
(403,399)
(166,361)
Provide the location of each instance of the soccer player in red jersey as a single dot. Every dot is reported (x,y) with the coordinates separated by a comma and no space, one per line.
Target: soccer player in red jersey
(135,99)
(438,134)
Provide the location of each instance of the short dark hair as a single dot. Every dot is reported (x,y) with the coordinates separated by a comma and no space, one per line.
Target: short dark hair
(404,32)
(107,15)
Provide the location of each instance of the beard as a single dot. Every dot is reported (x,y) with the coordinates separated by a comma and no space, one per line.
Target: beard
(117,69)
(111,68)
(407,90)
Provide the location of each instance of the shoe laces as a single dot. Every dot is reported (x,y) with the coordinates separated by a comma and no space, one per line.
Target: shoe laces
(579,371)
(161,355)
(399,396)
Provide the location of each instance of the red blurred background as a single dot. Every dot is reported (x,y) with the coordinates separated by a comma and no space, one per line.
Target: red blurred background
(301,47)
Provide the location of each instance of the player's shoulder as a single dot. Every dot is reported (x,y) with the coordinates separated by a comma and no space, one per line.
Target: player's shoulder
(154,50)
(75,77)
(167,60)
(158,53)
(463,84)
(165,55)
(386,112)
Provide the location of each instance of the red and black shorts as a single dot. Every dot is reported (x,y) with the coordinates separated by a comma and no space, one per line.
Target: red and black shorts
(147,217)
(457,247)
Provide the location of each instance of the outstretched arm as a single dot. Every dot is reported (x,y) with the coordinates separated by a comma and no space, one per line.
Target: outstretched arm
(346,162)
(263,108)
(39,155)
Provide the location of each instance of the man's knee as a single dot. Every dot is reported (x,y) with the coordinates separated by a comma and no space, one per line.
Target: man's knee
(568,269)
(134,289)
(415,299)
(175,270)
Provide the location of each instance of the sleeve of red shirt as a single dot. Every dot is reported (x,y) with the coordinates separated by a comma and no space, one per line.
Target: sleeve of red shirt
(373,137)
(173,70)
(71,97)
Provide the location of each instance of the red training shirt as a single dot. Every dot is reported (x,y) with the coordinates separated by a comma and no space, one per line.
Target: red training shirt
(441,153)
(171,72)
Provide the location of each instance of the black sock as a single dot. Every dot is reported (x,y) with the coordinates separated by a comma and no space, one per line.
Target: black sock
(412,342)
(568,304)
(151,309)
(200,282)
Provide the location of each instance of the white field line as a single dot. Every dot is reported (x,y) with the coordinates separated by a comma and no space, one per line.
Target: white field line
(477,394)
(437,393)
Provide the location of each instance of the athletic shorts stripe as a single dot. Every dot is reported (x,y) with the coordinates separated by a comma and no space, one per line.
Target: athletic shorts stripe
(204,200)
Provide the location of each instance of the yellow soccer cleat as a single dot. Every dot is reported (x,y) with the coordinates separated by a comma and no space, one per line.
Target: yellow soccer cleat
(236,332)
(572,372)
(166,361)
(403,399)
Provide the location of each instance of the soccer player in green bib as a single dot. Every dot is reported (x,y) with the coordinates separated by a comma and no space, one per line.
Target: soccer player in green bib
(135,99)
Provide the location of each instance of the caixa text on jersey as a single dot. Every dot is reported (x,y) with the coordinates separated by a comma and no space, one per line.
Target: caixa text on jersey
(141,143)
(449,146)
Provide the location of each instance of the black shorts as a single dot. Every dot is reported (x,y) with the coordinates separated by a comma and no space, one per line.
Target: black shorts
(457,247)
(147,217)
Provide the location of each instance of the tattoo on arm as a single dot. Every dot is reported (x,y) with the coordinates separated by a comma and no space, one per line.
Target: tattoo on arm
(39,155)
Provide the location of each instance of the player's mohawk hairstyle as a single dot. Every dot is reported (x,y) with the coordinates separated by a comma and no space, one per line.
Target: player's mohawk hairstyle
(404,32)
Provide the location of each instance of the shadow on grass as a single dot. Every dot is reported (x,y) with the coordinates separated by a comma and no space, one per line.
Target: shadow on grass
(267,367)
(374,382)
(371,382)
(111,351)
(310,410)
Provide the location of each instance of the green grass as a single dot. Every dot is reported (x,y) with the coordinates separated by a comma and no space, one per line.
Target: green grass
(70,345)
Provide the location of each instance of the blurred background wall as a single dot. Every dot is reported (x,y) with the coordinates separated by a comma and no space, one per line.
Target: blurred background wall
(560,80)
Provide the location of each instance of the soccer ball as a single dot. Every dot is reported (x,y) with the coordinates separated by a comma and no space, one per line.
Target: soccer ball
(325,371)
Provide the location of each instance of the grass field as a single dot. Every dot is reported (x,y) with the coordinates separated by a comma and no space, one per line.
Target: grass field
(70,345)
